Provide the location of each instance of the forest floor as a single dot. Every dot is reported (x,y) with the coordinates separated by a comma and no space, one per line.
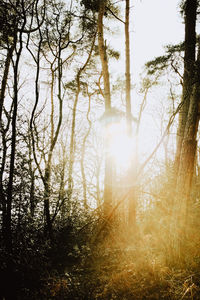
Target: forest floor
(123,269)
(84,264)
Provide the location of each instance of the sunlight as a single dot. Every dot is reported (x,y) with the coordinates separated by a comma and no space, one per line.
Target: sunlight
(120,145)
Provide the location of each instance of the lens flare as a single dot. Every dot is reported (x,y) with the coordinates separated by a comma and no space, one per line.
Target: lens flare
(120,145)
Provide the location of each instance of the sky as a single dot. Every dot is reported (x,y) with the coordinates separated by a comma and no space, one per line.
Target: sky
(155,23)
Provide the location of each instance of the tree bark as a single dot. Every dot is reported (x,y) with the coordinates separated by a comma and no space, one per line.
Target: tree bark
(127,73)
(188,126)
(103,56)
(132,170)
(32,178)
(84,183)
(107,97)
(186,165)
(8,225)
(5,78)
(53,141)
(189,63)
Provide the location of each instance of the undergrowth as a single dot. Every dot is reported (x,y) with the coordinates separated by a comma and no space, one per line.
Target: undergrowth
(88,263)
(123,265)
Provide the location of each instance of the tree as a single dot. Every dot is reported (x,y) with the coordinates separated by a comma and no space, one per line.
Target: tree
(8,31)
(83,148)
(107,98)
(190,11)
(187,131)
(9,200)
(132,169)
(72,139)
(56,42)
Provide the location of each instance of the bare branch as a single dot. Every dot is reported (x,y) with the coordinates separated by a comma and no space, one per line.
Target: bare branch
(114,15)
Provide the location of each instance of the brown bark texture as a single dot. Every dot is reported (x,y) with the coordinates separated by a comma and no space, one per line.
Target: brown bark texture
(189,63)
(187,140)
(107,97)
(132,170)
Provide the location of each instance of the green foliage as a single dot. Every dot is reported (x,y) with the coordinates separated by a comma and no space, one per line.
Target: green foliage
(91,4)
(72,86)
(182,6)
(172,49)
(161,63)
(117,268)
(36,267)
(114,54)
(84,259)
(111,266)
(7,23)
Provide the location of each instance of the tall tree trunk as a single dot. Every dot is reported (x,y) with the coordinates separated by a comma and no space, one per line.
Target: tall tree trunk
(107,96)
(188,126)
(72,142)
(131,176)
(8,225)
(12,163)
(53,139)
(98,191)
(127,73)
(5,78)
(189,63)
(83,152)
(47,193)
(4,131)
(32,178)
(61,195)
(186,166)
(2,97)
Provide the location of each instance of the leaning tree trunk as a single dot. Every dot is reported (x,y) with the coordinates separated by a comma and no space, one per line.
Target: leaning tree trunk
(107,97)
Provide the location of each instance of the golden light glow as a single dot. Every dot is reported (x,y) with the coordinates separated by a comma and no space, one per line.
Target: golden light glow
(120,145)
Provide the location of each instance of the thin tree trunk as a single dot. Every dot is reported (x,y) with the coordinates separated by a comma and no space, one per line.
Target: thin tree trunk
(2,97)
(127,73)
(2,169)
(72,142)
(83,153)
(107,96)
(61,196)
(98,185)
(54,138)
(73,128)
(32,177)
(8,237)
(5,78)
(132,170)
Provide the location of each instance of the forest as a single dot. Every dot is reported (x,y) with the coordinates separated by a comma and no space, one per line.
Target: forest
(99,174)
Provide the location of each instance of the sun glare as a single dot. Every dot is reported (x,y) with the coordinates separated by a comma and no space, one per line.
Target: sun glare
(120,145)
